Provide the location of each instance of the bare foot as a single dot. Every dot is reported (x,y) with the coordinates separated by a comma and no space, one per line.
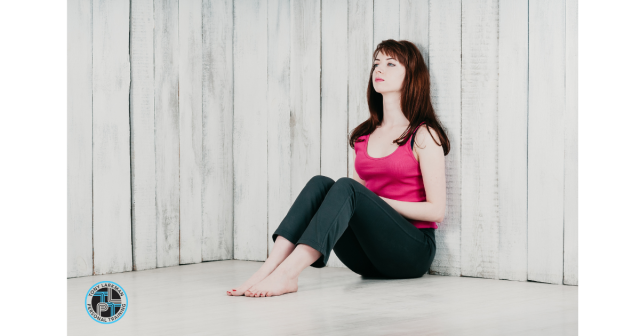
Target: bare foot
(277,283)
(258,276)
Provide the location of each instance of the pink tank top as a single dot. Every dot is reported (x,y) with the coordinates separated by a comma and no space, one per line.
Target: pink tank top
(396,176)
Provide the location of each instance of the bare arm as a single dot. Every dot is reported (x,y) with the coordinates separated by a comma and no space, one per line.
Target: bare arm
(431,158)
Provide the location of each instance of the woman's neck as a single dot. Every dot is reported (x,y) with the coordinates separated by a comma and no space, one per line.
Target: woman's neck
(392,111)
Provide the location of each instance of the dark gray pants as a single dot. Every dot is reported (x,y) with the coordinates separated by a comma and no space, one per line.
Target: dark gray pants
(367,234)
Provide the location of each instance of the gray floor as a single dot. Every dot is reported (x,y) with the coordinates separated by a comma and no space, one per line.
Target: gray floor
(192,300)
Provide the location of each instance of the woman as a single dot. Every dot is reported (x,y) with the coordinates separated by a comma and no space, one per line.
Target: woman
(380,223)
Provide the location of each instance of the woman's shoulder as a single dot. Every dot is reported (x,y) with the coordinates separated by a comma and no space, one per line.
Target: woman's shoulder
(427,135)
(358,143)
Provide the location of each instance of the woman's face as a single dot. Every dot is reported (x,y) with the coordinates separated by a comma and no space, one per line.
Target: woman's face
(388,74)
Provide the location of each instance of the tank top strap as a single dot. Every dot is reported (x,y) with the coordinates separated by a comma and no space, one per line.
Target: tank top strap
(413,138)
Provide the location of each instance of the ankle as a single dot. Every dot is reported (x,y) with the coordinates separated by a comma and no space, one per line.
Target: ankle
(286,270)
(269,265)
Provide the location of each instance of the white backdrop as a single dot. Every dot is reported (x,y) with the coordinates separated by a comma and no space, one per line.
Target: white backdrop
(194,124)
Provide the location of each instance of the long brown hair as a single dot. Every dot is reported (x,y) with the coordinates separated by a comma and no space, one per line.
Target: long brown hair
(415,99)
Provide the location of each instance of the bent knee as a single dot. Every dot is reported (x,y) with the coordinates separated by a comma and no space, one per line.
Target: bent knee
(322,179)
(348,180)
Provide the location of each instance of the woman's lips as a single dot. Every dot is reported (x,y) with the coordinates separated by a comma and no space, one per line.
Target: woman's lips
(379,80)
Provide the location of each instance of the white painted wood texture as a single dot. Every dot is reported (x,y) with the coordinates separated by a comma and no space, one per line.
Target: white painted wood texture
(111,164)
(334,134)
(167,137)
(512,139)
(279,198)
(190,102)
(249,130)
(571,148)
(141,111)
(546,140)
(360,57)
(217,127)
(414,25)
(305,93)
(445,67)
(79,139)
(386,20)
(479,198)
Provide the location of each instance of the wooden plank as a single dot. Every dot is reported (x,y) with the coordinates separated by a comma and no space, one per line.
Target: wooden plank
(167,137)
(512,139)
(360,58)
(414,25)
(217,126)
(305,93)
(79,138)
(546,140)
(111,164)
(445,66)
(190,102)
(571,148)
(143,176)
(279,199)
(386,20)
(249,131)
(334,95)
(480,212)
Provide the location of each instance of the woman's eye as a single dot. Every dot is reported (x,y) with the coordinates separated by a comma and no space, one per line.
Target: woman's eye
(387,64)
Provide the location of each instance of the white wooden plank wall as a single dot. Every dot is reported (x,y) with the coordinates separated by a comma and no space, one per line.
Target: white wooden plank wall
(167,119)
(305,93)
(571,148)
(386,20)
(279,198)
(512,139)
(360,59)
(249,130)
(414,25)
(79,138)
(546,140)
(111,153)
(190,102)
(333,162)
(203,142)
(217,129)
(334,89)
(444,68)
(479,155)
(141,111)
